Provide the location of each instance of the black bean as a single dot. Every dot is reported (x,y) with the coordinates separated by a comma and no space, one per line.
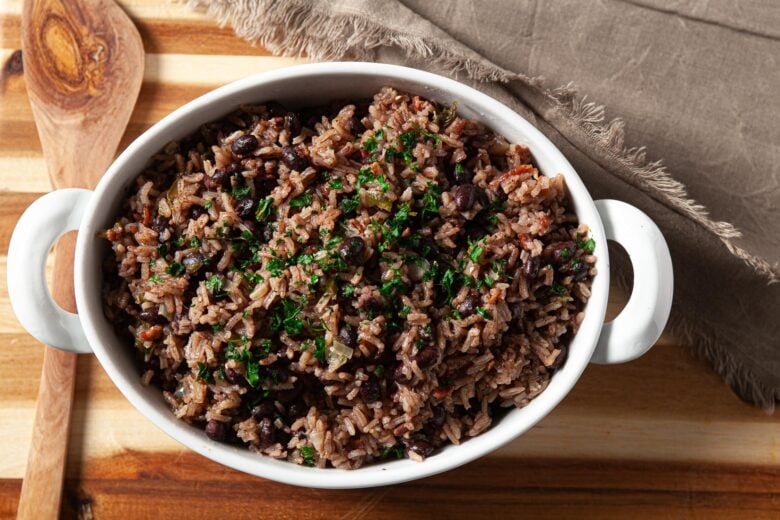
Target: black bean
(246,207)
(267,233)
(351,249)
(291,394)
(372,304)
(562,252)
(244,145)
(153,317)
(265,431)
(580,271)
(531,267)
(463,174)
(426,357)
(234,168)
(399,376)
(421,447)
(232,376)
(438,417)
(348,336)
(297,409)
(215,430)
(264,409)
(251,226)
(353,125)
(228,128)
(464,196)
(561,359)
(293,159)
(196,211)
(370,390)
(220,179)
(468,306)
(428,247)
(277,374)
(160,223)
(293,123)
(275,109)
(193,261)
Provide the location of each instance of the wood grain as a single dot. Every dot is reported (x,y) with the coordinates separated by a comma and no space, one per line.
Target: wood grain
(660,437)
(82,62)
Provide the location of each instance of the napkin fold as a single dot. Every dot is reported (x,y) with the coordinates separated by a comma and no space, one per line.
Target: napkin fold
(692,83)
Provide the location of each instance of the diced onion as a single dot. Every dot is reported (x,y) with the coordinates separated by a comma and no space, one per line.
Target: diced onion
(378,199)
(337,355)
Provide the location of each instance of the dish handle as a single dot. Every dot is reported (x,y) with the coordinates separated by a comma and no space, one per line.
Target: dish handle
(47,219)
(641,322)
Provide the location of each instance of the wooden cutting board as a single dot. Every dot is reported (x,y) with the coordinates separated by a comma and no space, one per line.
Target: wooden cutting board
(658,437)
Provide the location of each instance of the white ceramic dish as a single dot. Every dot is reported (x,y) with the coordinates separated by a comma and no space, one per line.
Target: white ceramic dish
(630,335)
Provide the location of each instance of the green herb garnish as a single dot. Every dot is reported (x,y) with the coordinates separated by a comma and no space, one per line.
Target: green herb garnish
(301,201)
(204,374)
(557,289)
(484,313)
(319,348)
(307,452)
(253,372)
(175,269)
(286,317)
(264,209)
(431,201)
(336,184)
(195,242)
(241,192)
(349,205)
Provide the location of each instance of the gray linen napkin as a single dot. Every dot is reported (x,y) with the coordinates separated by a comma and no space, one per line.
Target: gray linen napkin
(693,83)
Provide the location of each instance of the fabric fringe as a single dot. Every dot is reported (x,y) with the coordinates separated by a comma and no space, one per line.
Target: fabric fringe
(704,345)
(350,37)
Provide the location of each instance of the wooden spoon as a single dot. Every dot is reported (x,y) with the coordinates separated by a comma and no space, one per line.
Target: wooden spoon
(83,64)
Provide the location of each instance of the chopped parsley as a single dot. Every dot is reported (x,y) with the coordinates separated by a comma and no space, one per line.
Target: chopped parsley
(264,209)
(475,254)
(301,201)
(379,371)
(349,204)
(208,204)
(307,452)
(588,245)
(178,241)
(484,313)
(435,137)
(162,249)
(319,348)
(195,242)
(204,374)
(214,284)
(154,279)
(253,372)
(348,290)
(448,281)
(557,289)
(241,192)
(397,451)
(431,201)
(175,269)
(336,184)
(286,317)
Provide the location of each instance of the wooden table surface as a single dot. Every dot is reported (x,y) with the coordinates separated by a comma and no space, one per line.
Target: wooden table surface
(658,437)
